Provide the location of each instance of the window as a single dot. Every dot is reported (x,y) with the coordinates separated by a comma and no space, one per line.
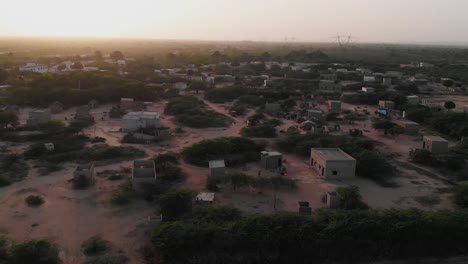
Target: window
(335,172)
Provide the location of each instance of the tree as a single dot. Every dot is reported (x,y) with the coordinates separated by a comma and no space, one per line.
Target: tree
(350,198)
(8,118)
(117,55)
(3,76)
(385,125)
(163,161)
(460,196)
(35,251)
(197,85)
(174,204)
(449,105)
(448,83)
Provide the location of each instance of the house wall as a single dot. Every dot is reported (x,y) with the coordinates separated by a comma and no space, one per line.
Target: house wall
(217,172)
(334,106)
(410,129)
(343,168)
(131,125)
(38,117)
(138,182)
(270,162)
(436,147)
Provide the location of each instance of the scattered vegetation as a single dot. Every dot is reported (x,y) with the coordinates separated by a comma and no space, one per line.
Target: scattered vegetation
(95,245)
(192,112)
(234,150)
(122,194)
(327,236)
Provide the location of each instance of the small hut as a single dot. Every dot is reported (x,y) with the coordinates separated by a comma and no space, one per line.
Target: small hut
(56,107)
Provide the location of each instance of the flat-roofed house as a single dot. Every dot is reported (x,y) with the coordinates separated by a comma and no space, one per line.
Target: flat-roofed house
(368,89)
(126,103)
(334,106)
(412,99)
(435,144)
(411,128)
(217,168)
(85,171)
(38,116)
(134,121)
(144,172)
(332,163)
(271,160)
(330,86)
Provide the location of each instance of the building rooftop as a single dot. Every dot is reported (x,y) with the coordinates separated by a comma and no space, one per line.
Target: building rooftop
(205,197)
(216,164)
(436,138)
(138,115)
(332,154)
(271,153)
(85,167)
(407,122)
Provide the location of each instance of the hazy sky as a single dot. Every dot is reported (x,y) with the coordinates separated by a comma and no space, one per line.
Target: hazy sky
(268,20)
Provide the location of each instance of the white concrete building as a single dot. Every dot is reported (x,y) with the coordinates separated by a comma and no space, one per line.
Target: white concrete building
(412,99)
(134,121)
(181,85)
(368,89)
(369,79)
(332,163)
(33,67)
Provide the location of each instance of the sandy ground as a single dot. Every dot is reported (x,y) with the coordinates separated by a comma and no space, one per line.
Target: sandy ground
(71,216)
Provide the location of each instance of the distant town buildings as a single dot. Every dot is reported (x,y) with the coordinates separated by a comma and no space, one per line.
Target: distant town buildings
(33,67)
(328,86)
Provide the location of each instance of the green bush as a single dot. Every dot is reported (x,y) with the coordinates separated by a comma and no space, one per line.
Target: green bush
(225,94)
(234,150)
(34,200)
(122,194)
(193,113)
(94,246)
(350,198)
(174,204)
(34,251)
(328,236)
(460,196)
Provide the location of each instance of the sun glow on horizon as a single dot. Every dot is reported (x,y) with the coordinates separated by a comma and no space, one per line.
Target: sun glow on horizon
(89,18)
(264,20)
